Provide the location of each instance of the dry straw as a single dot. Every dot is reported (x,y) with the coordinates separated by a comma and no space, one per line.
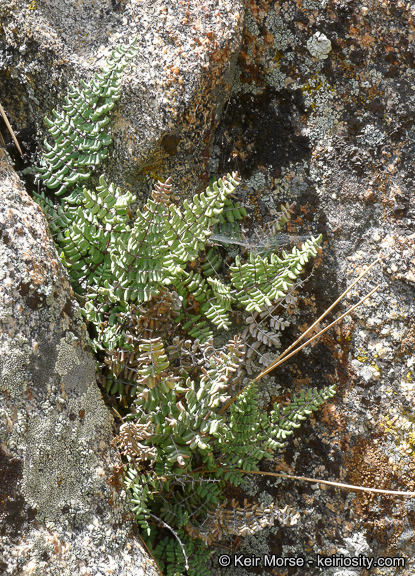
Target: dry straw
(10,129)
(291,351)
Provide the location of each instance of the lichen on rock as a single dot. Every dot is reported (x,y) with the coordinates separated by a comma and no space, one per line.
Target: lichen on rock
(74,366)
(330,128)
(61,456)
(59,513)
(14,377)
(319,46)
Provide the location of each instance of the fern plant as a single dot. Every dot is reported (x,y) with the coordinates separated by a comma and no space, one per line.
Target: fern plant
(170,555)
(155,289)
(179,443)
(116,261)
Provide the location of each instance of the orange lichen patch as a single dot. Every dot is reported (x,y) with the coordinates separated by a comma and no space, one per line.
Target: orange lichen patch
(333,417)
(366,40)
(27,256)
(336,506)
(369,465)
(116,478)
(56,544)
(301,383)
(282,466)
(269,38)
(407,345)
(304,327)
(38,274)
(258,12)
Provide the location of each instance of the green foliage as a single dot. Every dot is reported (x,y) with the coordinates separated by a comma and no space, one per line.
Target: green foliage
(188,450)
(143,275)
(284,419)
(118,261)
(115,260)
(115,257)
(170,557)
(262,280)
(80,140)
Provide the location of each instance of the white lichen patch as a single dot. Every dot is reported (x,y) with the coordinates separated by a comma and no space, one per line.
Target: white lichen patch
(276,79)
(324,119)
(67,355)
(250,24)
(75,366)
(246,87)
(283,37)
(319,46)
(371,136)
(14,377)
(355,545)
(257,181)
(3,262)
(49,553)
(5,422)
(61,456)
(249,485)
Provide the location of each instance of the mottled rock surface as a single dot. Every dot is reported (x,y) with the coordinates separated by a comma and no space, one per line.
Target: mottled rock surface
(320,111)
(62,509)
(336,135)
(173,92)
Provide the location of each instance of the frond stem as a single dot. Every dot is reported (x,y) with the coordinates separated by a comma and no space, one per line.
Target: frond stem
(279,362)
(10,129)
(283,357)
(327,311)
(330,483)
(161,522)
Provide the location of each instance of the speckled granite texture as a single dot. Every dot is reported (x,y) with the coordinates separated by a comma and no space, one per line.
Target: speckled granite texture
(62,510)
(173,92)
(329,123)
(313,101)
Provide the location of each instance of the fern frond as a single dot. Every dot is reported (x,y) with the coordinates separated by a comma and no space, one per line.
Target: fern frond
(153,301)
(140,486)
(262,280)
(170,557)
(233,519)
(240,443)
(284,419)
(79,140)
(282,218)
(211,264)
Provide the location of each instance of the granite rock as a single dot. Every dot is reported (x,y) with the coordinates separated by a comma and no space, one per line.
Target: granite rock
(336,135)
(63,510)
(331,129)
(172,94)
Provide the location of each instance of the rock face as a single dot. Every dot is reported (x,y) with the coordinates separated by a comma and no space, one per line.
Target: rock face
(172,94)
(320,111)
(62,510)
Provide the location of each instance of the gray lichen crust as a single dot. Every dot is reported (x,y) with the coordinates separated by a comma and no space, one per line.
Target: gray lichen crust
(62,510)
(319,46)
(74,366)
(62,467)
(13,376)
